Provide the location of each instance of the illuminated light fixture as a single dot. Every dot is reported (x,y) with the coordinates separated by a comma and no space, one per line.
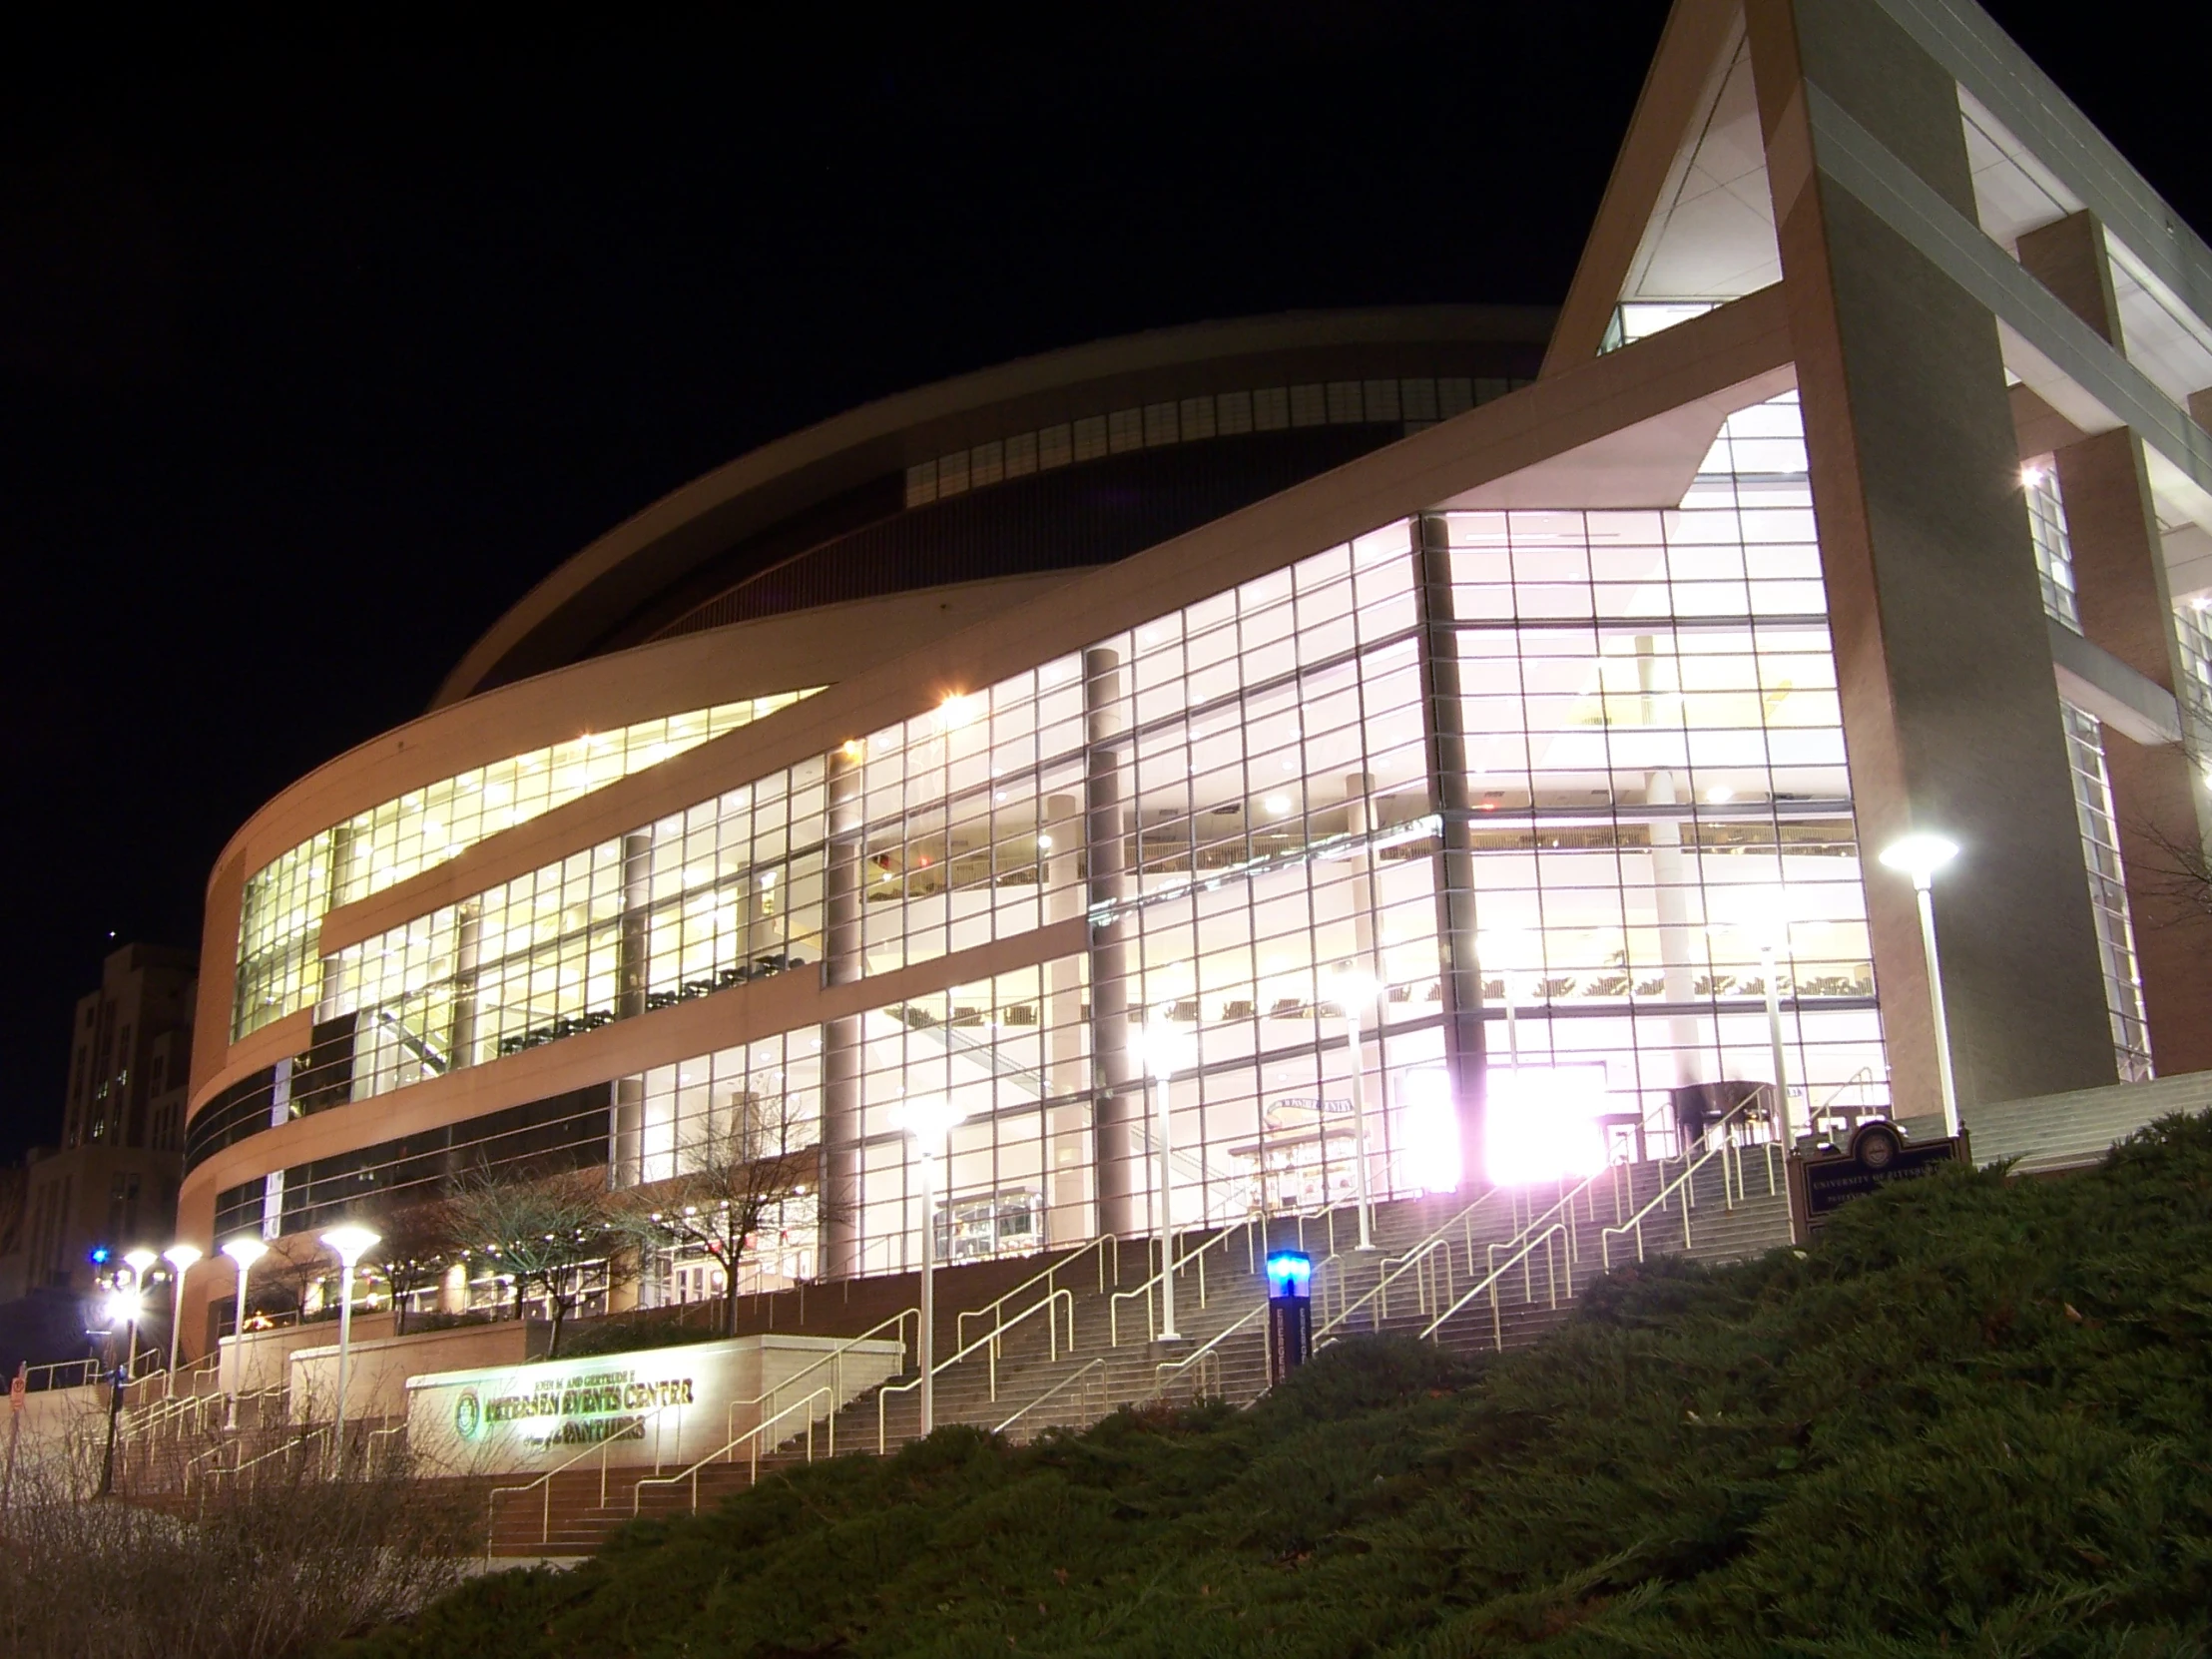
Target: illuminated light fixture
(850,749)
(927,1121)
(182,1256)
(139,1261)
(1290,1273)
(1279,804)
(1919,856)
(2030,476)
(956,710)
(1045,841)
(351,1243)
(1720,795)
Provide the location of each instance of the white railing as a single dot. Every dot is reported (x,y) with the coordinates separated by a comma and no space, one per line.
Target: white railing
(1095,1367)
(1253,1231)
(543,1484)
(290,1447)
(987,1343)
(1422,1260)
(1718,1146)
(1522,1251)
(835,1358)
(1107,1248)
(756,1437)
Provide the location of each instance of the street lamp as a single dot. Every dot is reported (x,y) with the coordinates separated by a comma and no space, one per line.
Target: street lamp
(1159,1066)
(1767,920)
(141,1262)
(351,1243)
(1919,856)
(928,1122)
(123,1306)
(244,1251)
(1354,988)
(182,1256)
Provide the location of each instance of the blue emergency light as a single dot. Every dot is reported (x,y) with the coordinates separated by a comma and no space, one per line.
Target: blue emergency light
(1289,1274)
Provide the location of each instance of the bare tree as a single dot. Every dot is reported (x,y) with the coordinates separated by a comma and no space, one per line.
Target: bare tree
(294,1266)
(416,1243)
(739,1175)
(546,1231)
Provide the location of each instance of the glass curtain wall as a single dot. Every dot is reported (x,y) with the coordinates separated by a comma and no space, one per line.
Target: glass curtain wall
(1660,793)
(1236,801)
(285,900)
(728,891)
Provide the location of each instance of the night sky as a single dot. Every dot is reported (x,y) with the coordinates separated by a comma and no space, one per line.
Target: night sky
(316,353)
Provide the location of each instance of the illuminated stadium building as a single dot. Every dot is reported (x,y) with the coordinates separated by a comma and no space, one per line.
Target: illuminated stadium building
(986,741)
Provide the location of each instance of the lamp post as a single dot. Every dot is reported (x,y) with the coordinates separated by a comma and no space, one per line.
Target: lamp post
(1159,1067)
(351,1243)
(180,1257)
(1354,989)
(1768,924)
(124,1304)
(928,1122)
(1919,856)
(244,1251)
(141,1262)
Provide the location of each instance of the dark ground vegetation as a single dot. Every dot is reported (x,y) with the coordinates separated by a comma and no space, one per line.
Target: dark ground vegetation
(1976,1419)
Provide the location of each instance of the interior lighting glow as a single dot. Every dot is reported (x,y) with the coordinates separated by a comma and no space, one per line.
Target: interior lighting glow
(1542,1123)
(1277,805)
(955,710)
(1720,793)
(1430,1125)
(2030,476)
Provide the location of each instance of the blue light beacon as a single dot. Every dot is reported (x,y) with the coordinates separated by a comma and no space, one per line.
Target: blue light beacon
(1289,1311)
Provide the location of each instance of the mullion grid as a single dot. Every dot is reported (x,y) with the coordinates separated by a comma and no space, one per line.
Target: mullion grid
(1731,711)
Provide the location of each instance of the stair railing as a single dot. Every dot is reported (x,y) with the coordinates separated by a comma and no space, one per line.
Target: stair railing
(291,1447)
(543,1484)
(1093,1368)
(1207,1357)
(1253,1229)
(1106,1248)
(1422,1260)
(835,1358)
(985,1344)
(1718,1146)
(755,1438)
(1522,1251)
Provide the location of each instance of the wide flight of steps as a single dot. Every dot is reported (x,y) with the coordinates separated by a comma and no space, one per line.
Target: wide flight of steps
(1067,1379)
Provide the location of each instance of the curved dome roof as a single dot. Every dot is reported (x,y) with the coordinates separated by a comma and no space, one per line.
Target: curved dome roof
(1070,458)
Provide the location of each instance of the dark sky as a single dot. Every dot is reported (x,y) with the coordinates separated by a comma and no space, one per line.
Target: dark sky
(315,353)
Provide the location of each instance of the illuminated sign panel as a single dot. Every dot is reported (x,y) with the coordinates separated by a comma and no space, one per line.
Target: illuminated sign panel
(667,1406)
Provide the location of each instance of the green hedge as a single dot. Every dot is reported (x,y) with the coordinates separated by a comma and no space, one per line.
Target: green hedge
(1976,1419)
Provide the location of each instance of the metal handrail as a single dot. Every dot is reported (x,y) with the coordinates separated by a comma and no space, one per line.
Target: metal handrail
(545,1482)
(1068,1380)
(1394,1267)
(882,1394)
(1720,1148)
(829,1417)
(1107,1246)
(1861,1078)
(834,1356)
(1246,1226)
(1489,1283)
(285,1448)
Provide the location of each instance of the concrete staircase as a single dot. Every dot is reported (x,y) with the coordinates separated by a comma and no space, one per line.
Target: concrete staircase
(1499,1271)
